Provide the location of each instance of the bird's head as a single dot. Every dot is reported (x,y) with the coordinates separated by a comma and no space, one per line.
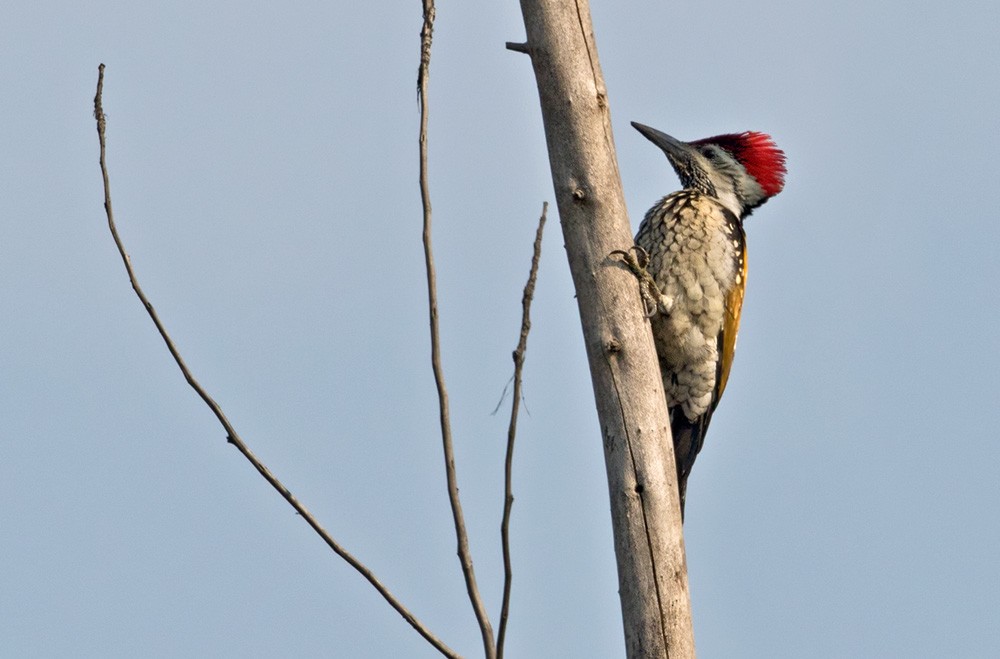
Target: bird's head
(742,170)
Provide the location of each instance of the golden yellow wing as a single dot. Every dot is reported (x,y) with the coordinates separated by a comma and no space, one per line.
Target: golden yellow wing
(731,324)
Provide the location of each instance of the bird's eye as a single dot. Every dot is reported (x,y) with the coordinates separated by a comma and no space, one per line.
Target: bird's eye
(710,153)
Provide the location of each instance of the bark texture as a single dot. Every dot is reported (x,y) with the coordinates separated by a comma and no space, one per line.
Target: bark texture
(649,543)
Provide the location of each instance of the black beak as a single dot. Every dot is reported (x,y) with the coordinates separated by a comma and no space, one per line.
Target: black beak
(676,150)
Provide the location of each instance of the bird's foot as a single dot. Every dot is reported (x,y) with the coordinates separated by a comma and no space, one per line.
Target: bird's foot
(653,300)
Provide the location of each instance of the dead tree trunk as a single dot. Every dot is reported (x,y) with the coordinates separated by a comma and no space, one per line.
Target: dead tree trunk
(649,544)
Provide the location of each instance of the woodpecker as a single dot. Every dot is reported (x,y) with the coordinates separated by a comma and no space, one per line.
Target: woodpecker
(694,255)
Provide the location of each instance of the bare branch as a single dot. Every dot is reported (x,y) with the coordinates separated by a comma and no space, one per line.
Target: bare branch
(231,435)
(522,345)
(628,387)
(464,555)
(518,47)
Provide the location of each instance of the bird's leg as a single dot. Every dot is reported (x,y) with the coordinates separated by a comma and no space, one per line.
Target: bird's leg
(653,300)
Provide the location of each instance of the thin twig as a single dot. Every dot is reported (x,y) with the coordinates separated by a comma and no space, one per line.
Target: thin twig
(464,555)
(503,396)
(231,435)
(508,502)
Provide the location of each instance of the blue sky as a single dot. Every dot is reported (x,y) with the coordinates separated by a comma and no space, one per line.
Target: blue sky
(263,165)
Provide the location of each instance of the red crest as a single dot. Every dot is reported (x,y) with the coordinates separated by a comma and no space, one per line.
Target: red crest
(758,153)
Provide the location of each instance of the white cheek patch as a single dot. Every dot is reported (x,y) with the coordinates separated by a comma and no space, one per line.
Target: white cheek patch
(730,201)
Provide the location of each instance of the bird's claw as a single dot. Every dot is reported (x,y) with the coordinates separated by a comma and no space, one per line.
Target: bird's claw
(637,259)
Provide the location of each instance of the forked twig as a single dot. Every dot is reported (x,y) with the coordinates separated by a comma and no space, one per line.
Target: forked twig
(231,435)
(522,345)
(462,536)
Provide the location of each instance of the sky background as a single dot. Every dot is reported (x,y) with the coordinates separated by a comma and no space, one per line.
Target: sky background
(263,164)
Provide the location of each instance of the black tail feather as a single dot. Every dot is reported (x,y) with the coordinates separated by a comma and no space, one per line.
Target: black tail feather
(689,436)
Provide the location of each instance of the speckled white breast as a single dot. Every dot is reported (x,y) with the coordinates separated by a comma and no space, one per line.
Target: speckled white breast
(695,246)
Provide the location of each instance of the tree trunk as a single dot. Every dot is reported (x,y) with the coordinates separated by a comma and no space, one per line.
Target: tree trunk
(642,481)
